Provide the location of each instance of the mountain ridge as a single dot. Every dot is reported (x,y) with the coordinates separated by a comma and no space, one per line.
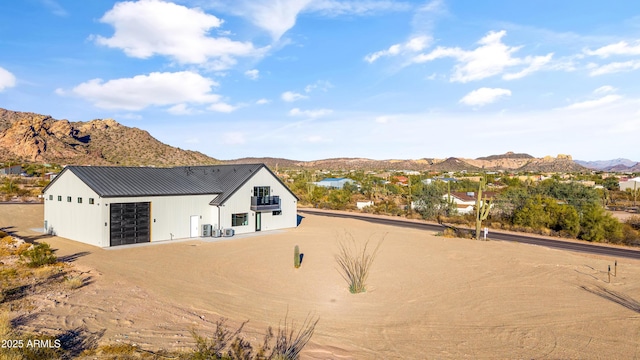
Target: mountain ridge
(32,137)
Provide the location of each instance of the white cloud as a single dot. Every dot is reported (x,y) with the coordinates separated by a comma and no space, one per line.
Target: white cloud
(619,48)
(614,67)
(413,45)
(7,79)
(535,63)
(384,119)
(233,138)
(310,113)
(252,74)
(262,101)
(484,96)
(180,109)
(491,58)
(590,104)
(56,9)
(154,27)
(604,89)
(279,16)
(321,85)
(362,7)
(141,91)
(222,107)
(290,96)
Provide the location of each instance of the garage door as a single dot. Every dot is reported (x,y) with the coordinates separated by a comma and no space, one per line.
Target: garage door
(130,223)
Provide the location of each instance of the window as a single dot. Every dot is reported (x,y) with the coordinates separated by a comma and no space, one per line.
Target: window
(261,190)
(59,198)
(277,212)
(68,198)
(79,200)
(50,197)
(239,219)
(91,201)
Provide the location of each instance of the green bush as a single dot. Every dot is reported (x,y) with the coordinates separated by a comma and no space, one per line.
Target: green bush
(39,255)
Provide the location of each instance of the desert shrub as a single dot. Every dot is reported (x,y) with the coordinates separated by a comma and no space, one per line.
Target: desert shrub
(73,282)
(3,234)
(230,344)
(354,262)
(26,352)
(39,255)
(634,222)
(21,249)
(296,257)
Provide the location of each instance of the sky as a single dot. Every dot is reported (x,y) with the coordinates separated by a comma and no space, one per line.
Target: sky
(316,79)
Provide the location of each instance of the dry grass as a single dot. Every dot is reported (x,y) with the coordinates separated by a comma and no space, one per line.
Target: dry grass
(73,283)
(354,262)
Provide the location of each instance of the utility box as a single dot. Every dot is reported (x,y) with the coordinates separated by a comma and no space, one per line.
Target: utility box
(229,232)
(217,233)
(206,230)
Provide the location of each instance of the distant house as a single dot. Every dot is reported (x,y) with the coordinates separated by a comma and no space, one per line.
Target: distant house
(363,204)
(465,201)
(445,179)
(631,184)
(11,170)
(334,183)
(401,180)
(107,206)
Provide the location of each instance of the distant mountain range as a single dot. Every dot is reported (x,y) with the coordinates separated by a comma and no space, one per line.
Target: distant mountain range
(30,137)
(615,165)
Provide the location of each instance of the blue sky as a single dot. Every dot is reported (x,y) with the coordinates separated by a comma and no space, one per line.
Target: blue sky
(314,79)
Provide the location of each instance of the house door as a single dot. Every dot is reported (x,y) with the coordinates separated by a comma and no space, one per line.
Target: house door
(258,221)
(194,226)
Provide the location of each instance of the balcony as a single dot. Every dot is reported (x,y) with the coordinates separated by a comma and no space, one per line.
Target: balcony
(265,203)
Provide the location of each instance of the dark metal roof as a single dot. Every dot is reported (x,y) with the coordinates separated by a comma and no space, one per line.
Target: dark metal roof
(114,181)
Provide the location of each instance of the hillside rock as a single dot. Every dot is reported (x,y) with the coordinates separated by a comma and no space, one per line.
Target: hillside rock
(39,138)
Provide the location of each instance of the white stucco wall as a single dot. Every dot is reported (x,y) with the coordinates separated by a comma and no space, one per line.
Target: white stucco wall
(170,215)
(240,202)
(80,222)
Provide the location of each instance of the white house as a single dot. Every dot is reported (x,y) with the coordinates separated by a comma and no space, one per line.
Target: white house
(465,202)
(363,204)
(109,206)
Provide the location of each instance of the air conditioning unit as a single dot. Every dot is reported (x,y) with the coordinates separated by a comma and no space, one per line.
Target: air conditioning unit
(206,230)
(217,233)
(229,232)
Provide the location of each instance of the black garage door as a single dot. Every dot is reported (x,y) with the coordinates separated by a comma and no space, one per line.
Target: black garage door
(129,223)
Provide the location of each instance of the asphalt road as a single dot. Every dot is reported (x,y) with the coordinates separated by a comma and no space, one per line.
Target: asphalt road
(493,235)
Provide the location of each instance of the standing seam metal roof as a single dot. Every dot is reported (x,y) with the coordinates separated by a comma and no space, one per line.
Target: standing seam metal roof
(108,181)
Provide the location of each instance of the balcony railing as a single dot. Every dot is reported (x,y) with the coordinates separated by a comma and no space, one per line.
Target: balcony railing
(265,203)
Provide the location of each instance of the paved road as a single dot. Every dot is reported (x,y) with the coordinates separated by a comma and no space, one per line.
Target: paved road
(493,235)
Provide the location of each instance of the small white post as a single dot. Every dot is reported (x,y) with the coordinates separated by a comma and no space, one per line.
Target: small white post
(486,231)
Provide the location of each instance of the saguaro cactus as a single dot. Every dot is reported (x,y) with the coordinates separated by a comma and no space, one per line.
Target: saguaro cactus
(296,257)
(482,209)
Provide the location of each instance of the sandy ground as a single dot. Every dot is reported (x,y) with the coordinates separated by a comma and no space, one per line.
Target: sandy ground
(429,297)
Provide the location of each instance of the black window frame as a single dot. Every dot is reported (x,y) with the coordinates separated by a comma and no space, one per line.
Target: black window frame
(240,219)
(276,212)
(79,200)
(68,198)
(91,201)
(262,191)
(59,197)
(50,197)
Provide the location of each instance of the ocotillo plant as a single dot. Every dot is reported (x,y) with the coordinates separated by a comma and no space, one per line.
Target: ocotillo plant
(482,209)
(296,257)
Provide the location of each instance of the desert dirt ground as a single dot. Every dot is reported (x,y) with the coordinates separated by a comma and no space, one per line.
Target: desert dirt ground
(428,296)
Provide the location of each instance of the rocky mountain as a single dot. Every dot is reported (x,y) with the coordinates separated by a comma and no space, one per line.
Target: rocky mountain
(29,137)
(507,162)
(608,165)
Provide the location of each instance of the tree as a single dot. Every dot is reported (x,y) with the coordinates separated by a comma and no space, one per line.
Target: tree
(430,201)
